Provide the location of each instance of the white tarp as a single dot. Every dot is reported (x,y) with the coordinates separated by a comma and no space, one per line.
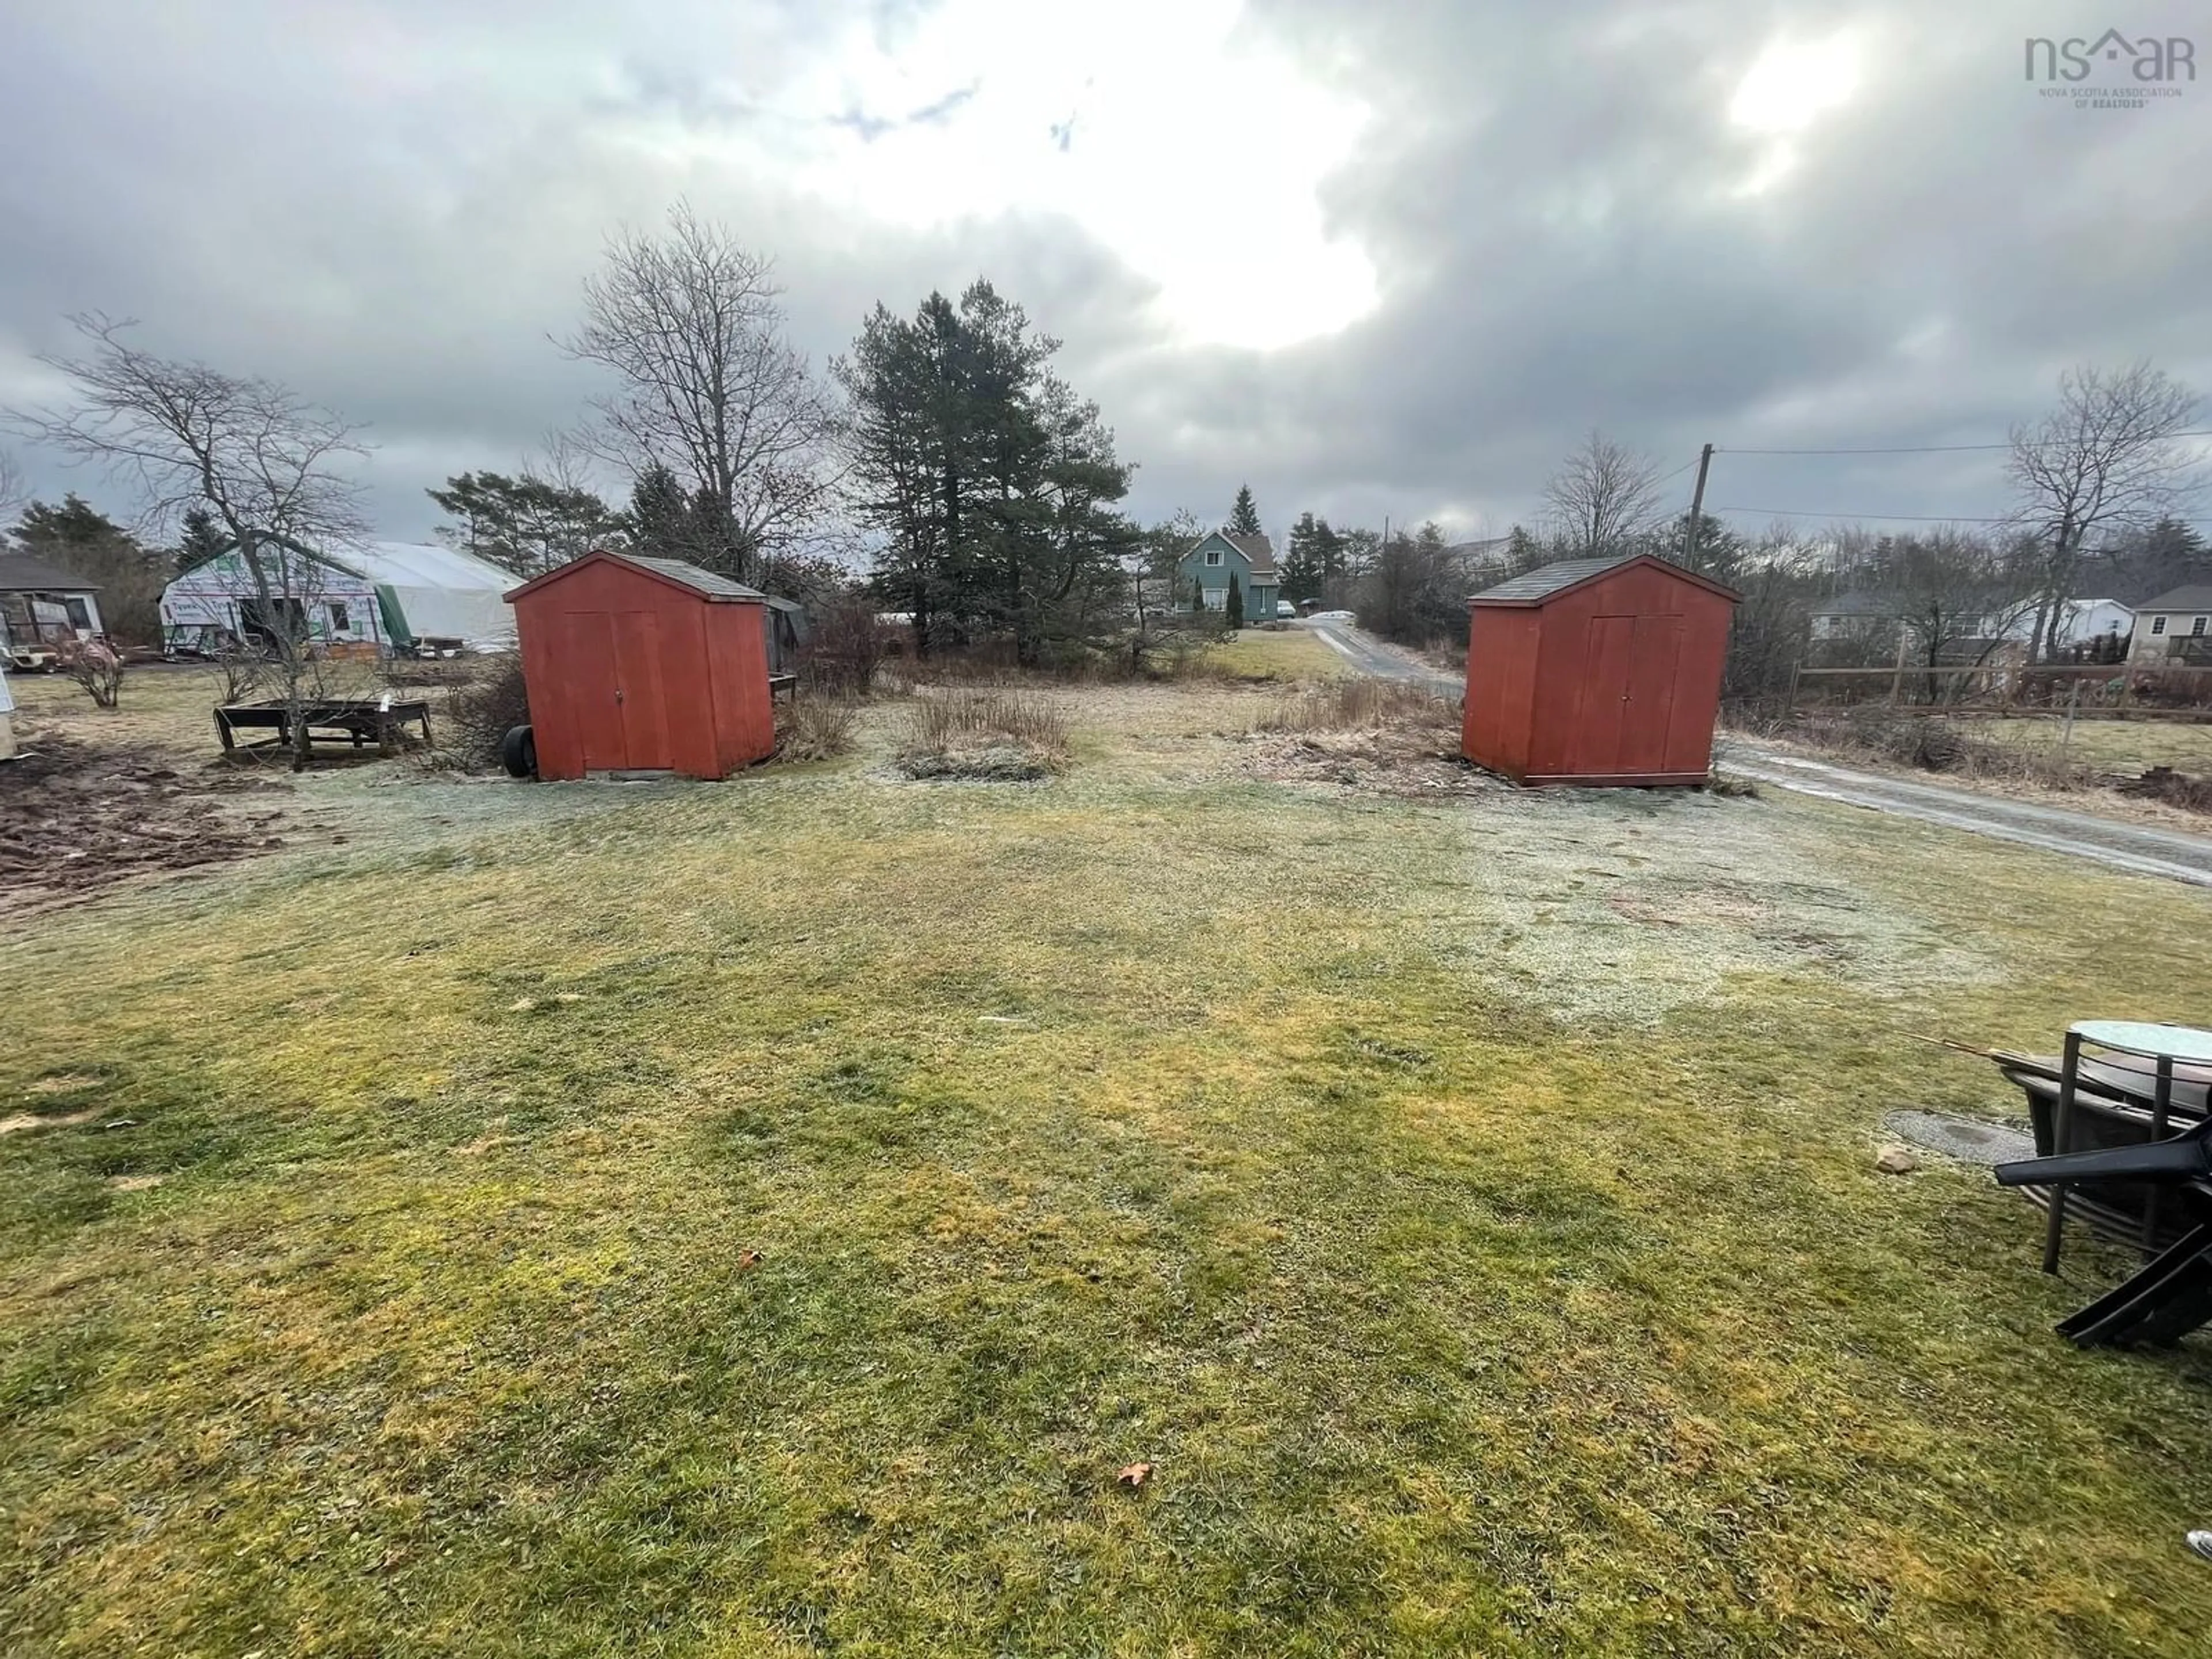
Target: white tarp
(436,592)
(444,593)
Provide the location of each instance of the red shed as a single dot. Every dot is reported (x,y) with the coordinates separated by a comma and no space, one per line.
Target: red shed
(638,665)
(1596,671)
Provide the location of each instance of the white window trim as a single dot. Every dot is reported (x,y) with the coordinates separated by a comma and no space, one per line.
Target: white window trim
(1212,557)
(2158,624)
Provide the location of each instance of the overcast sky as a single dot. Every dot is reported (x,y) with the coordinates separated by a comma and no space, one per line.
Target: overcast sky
(1371,257)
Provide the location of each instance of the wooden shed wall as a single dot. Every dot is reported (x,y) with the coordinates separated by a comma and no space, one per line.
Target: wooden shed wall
(626,671)
(1501,687)
(1628,680)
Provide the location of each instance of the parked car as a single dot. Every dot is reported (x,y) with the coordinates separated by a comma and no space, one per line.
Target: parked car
(1284,608)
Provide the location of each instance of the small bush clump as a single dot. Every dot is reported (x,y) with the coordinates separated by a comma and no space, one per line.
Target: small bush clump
(812,727)
(1005,735)
(480,708)
(1361,704)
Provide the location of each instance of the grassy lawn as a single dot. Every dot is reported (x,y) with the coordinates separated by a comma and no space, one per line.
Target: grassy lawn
(1295,654)
(2116,745)
(763,1219)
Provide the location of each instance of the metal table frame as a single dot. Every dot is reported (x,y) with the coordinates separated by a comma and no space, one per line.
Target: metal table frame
(2162,1045)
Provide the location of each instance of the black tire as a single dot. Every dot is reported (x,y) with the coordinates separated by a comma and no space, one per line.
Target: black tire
(518,751)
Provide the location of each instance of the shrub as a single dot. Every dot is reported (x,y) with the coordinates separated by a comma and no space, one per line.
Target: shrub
(96,667)
(844,649)
(812,727)
(1351,705)
(480,708)
(1005,734)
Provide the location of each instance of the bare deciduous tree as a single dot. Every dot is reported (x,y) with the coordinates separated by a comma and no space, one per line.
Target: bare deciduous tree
(710,388)
(259,458)
(1603,497)
(2106,459)
(13,493)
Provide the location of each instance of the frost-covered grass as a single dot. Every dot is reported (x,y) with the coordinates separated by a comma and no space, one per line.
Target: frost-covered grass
(762,1217)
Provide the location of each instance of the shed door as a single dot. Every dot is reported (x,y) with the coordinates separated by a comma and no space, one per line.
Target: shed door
(1604,710)
(594,695)
(643,702)
(1655,655)
(1628,695)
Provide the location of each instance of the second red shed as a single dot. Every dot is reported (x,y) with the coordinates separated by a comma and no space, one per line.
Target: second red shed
(1597,671)
(640,665)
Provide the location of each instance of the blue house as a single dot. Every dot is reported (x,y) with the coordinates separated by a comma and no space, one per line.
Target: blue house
(1203,575)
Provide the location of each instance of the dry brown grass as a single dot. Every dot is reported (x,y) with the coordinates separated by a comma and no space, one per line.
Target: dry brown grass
(1006,733)
(813,727)
(1354,705)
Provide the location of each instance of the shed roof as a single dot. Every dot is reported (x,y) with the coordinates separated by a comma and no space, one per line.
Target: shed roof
(21,574)
(2198,596)
(706,584)
(1548,581)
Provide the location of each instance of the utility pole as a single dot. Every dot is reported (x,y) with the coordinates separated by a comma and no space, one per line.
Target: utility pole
(1697,509)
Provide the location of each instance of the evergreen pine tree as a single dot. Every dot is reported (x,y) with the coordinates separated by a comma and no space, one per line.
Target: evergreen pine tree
(1244,517)
(200,542)
(1236,602)
(660,515)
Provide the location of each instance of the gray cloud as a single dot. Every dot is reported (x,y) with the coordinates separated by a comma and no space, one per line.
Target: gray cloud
(393,210)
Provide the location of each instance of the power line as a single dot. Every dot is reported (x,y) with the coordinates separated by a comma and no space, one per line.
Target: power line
(1902,518)
(1912,518)
(1920,449)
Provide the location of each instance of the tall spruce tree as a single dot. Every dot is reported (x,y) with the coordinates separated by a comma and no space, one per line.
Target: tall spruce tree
(660,516)
(1244,517)
(200,541)
(990,484)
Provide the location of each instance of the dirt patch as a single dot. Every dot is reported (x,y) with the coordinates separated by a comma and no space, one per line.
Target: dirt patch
(75,820)
(2163,783)
(17,1123)
(1391,762)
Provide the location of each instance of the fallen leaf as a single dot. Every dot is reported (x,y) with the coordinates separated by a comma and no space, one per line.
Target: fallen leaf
(749,1259)
(1135,1475)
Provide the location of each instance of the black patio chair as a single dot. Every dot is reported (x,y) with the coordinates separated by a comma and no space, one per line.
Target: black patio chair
(2172,1295)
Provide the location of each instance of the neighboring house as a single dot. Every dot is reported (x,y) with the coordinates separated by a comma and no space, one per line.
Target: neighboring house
(373,597)
(2083,621)
(1483,561)
(2172,627)
(1854,616)
(41,604)
(1206,569)
(1873,617)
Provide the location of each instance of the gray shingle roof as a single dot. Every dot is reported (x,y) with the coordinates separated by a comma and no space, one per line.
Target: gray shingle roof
(1258,549)
(2195,597)
(705,582)
(21,574)
(1548,579)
